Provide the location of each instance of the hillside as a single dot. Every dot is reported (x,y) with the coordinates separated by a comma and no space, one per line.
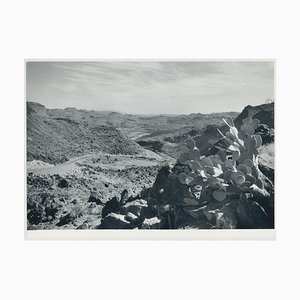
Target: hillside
(56,137)
(264,113)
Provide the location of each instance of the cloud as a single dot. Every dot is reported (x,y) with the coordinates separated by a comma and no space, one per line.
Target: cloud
(151,86)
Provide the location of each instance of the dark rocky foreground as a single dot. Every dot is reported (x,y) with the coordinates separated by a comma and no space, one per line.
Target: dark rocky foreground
(152,210)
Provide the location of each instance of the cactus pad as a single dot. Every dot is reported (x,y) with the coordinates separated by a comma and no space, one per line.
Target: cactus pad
(194,154)
(236,155)
(183,158)
(234,175)
(239,180)
(245,185)
(190,143)
(247,121)
(255,123)
(219,195)
(182,178)
(258,140)
(248,163)
(244,169)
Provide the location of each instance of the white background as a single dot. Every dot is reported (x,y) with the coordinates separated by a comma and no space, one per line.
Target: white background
(149,29)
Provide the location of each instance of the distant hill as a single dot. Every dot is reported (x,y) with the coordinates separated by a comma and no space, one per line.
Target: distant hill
(210,135)
(54,136)
(264,113)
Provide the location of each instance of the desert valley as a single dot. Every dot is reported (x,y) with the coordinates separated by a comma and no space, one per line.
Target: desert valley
(108,170)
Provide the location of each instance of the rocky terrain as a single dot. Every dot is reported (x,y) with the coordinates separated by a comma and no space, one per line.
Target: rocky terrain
(107,170)
(71,194)
(55,137)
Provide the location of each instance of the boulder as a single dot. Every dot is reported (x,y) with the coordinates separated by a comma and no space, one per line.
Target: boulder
(114,221)
(66,219)
(34,216)
(266,133)
(130,217)
(83,226)
(63,183)
(252,215)
(267,171)
(111,206)
(94,208)
(152,223)
(124,196)
(134,207)
(95,198)
(226,216)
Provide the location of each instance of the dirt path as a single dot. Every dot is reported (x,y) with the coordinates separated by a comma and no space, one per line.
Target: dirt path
(105,161)
(69,167)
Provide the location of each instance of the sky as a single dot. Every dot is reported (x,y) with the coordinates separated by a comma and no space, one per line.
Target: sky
(150,87)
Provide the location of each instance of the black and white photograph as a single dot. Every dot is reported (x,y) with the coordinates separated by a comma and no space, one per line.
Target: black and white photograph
(149,149)
(150,144)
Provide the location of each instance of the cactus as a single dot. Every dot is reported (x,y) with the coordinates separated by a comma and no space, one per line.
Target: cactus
(223,176)
(190,143)
(215,181)
(244,169)
(194,154)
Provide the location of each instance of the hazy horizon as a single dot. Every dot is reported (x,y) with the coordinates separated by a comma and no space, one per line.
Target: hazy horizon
(150,87)
(128,113)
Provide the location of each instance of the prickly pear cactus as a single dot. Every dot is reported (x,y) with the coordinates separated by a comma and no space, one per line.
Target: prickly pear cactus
(229,174)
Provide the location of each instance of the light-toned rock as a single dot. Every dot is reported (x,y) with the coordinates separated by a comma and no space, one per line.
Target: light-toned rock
(114,221)
(152,223)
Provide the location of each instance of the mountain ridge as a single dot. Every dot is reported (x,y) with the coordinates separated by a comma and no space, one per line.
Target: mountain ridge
(128,113)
